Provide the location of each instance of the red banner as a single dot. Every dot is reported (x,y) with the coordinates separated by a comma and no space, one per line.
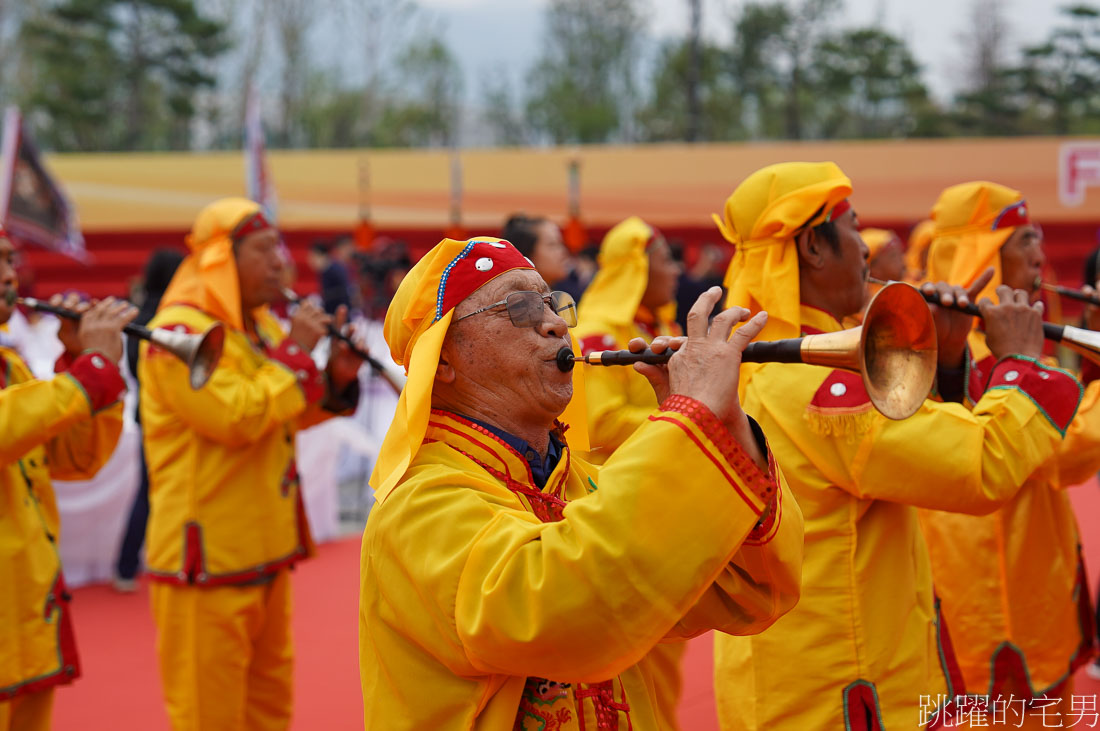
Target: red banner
(33,208)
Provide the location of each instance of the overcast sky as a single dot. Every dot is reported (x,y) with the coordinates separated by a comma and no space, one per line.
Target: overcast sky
(484,33)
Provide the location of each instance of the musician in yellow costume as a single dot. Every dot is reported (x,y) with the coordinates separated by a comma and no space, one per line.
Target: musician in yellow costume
(866,641)
(633,295)
(508,584)
(226,518)
(64,428)
(1012,583)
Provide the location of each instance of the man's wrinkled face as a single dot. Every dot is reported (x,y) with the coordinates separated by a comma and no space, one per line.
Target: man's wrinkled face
(259,268)
(847,265)
(1022,260)
(7,277)
(489,353)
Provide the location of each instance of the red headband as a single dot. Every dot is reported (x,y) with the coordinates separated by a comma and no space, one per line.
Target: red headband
(1012,216)
(838,210)
(250,225)
(477,264)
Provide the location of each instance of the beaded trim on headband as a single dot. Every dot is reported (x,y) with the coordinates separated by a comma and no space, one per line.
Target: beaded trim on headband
(250,225)
(443,280)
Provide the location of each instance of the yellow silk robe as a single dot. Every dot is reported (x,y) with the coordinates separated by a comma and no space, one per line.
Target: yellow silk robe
(619,401)
(487,603)
(64,428)
(223,490)
(1011,583)
(865,641)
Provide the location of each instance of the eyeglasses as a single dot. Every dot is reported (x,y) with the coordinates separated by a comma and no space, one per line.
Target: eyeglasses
(527,309)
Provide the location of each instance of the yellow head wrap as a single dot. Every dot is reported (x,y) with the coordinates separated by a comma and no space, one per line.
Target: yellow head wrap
(207,278)
(877,239)
(761,218)
(972,223)
(919,240)
(615,293)
(416,324)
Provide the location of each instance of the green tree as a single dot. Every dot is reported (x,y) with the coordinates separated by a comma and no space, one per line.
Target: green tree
(990,103)
(1061,77)
(667,115)
(772,61)
(119,74)
(869,86)
(427,110)
(582,87)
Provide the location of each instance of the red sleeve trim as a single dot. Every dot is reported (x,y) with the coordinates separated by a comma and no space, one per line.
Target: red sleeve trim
(100,378)
(596,343)
(312,381)
(762,485)
(63,363)
(1055,392)
(767,528)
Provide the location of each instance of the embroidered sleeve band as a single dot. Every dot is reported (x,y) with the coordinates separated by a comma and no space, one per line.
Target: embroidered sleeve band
(1055,392)
(312,381)
(100,379)
(711,435)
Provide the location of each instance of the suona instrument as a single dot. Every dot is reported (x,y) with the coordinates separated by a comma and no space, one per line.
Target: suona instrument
(1082,341)
(200,351)
(894,350)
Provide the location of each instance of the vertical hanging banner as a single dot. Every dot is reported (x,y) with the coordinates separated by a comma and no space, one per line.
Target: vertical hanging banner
(574,234)
(261,186)
(33,208)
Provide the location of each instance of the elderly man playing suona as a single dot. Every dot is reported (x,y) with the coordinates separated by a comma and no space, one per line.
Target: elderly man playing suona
(866,648)
(1013,582)
(226,519)
(508,584)
(62,428)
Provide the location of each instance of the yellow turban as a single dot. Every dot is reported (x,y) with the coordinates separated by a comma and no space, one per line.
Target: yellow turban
(761,218)
(416,324)
(972,223)
(615,293)
(207,278)
(919,240)
(877,239)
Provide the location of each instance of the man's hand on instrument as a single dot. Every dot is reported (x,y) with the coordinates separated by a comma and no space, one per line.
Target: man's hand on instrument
(952,326)
(1013,327)
(101,326)
(343,363)
(68,332)
(706,366)
(308,325)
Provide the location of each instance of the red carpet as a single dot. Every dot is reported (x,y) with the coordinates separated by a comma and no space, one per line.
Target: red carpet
(120,690)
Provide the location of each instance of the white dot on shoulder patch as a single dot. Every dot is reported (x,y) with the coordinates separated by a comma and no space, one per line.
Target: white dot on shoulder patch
(1023,210)
(483,264)
(497,245)
(838,389)
(1011,376)
(97,361)
(1044,375)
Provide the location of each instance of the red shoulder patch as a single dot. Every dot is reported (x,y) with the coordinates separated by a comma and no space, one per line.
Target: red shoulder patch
(841,391)
(597,342)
